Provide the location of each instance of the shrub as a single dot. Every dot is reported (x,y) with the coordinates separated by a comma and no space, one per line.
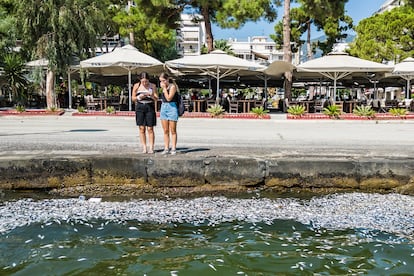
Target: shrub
(20,108)
(365,111)
(332,111)
(259,111)
(296,110)
(110,109)
(53,109)
(215,110)
(81,109)
(398,112)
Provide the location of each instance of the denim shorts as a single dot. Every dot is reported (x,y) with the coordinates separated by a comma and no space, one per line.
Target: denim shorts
(169,111)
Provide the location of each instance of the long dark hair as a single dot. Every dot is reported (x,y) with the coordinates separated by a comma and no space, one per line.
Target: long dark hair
(143,75)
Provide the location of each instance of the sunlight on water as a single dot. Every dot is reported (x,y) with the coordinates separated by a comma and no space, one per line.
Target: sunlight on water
(71,237)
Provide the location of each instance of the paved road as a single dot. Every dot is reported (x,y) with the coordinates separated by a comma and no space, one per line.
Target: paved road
(65,136)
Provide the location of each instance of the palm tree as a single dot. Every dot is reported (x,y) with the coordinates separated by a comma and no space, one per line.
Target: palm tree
(14,74)
(224,46)
(287,51)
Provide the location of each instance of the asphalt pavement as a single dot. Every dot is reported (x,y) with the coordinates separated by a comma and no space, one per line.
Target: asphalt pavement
(67,136)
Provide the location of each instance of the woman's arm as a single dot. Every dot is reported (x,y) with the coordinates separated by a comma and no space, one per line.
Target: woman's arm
(134,92)
(155,92)
(169,94)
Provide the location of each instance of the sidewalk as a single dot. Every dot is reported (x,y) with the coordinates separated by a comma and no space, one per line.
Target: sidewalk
(67,135)
(101,155)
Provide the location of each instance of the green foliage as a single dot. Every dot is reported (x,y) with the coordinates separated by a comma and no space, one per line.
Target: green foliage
(53,109)
(216,110)
(326,15)
(13,68)
(110,109)
(297,110)
(364,110)
(385,37)
(332,111)
(222,44)
(8,29)
(399,112)
(259,111)
(20,108)
(60,30)
(231,13)
(81,109)
(149,22)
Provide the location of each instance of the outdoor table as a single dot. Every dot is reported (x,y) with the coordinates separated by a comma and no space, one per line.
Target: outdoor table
(198,105)
(246,105)
(349,106)
(102,101)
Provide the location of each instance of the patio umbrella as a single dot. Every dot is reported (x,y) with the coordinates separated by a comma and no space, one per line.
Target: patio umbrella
(123,61)
(276,69)
(405,70)
(338,65)
(216,64)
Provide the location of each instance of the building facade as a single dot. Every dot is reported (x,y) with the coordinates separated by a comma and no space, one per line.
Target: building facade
(191,35)
(257,48)
(389,5)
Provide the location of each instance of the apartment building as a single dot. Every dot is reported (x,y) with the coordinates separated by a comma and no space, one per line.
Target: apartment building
(389,5)
(257,48)
(191,35)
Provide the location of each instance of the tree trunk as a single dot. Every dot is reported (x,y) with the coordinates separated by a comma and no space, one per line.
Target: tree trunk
(207,23)
(50,89)
(308,41)
(287,51)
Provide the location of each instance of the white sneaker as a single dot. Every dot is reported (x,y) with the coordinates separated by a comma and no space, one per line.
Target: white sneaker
(173,152)
(165,151)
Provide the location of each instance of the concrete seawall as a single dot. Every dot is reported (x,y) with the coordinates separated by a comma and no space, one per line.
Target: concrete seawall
(104,176)
(101,157)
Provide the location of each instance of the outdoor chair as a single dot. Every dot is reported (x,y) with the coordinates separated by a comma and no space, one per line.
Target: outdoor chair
(233,107)
(90,102)
(319,105)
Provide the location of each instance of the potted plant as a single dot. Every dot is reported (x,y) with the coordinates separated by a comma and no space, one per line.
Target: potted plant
(216,110)
(260,112)
(296,110)
(364,111)
(333,111)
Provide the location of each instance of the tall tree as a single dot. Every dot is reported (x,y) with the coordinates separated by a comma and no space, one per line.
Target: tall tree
(231,13)
(287,52)
(386,37)
(149,23)
(59,30)
(14,74)
(7,26)
(325,15)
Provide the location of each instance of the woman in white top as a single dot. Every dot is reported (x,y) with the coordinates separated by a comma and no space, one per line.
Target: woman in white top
(145,95)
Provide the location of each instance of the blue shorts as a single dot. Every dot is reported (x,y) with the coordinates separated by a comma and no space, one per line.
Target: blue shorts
(169,111)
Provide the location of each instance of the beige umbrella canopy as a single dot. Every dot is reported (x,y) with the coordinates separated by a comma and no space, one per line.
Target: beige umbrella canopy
(216,64)
(405,70)
(338,65)
(123,61)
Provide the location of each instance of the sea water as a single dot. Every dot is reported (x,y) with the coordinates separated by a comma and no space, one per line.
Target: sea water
(340,234)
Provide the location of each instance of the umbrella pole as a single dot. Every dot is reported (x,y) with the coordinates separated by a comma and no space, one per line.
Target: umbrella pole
(408,89)
(129,90)
(70,91)
(218,86)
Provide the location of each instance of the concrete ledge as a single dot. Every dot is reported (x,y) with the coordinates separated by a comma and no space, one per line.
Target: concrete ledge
(136,175)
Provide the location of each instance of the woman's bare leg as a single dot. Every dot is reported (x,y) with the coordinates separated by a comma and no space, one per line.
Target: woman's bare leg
(151,138)
(143,138)
(173,131)
(165,127)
